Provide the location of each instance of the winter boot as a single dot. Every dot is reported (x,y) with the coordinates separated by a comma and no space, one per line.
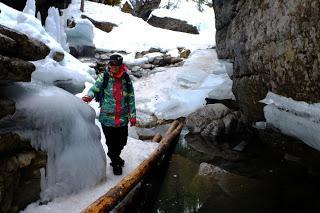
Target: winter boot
(117,170)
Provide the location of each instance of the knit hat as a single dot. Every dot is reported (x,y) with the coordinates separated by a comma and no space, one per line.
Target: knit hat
(116,59)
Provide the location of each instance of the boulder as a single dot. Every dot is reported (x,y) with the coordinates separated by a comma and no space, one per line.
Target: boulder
(212,121)
(16,44)
(7,107)
(104,26)
(172,24)
(15,69)
(127,8)
(275,47)
(143,8)
(165,60)
(184,53)
(20,175)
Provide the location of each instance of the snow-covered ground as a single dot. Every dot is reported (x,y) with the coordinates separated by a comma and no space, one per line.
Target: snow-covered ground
(179,91)
(133,154)
(133,34)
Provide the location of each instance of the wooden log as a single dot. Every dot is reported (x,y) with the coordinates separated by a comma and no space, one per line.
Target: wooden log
(157,138)
(109,200)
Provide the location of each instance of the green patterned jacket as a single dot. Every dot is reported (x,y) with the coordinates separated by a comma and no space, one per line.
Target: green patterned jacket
(118,105)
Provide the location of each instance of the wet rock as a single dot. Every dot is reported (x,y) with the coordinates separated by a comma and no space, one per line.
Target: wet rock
(230,183)
(202,149)
(212,120)
(172,24)
(208,169)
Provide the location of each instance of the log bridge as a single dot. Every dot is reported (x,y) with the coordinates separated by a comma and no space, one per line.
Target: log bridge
(116,194)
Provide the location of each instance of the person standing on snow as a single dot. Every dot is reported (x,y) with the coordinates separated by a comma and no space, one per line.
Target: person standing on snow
(117,108)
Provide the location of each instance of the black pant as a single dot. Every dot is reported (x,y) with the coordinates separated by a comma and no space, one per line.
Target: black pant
(116,139)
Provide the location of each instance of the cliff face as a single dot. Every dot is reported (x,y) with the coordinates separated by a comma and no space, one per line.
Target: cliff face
(275,46)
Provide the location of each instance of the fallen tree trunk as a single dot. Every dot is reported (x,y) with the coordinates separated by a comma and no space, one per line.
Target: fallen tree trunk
(157,138)
(109,200)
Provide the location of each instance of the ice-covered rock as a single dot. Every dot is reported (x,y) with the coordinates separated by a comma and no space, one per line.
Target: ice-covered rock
(61,125)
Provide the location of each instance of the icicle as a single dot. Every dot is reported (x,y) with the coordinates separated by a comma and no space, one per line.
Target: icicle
(30,7)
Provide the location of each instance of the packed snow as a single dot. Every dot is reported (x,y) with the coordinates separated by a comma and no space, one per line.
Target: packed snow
(182,90)
(294,118)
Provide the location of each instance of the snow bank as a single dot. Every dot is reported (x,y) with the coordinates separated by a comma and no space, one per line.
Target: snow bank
(134,34)
(58,123)
(179,91)
(294,118)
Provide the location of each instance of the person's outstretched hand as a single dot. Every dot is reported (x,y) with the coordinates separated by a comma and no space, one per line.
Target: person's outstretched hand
(87,98)
(132,121)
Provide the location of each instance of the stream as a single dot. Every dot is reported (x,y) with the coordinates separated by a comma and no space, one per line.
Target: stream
(250,181)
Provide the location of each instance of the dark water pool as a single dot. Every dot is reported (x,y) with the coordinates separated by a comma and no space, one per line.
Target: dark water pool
(251,181)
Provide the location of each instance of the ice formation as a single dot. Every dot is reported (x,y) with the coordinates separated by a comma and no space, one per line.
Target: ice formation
(60,124)
(55,26)
(179,91)
(294,118)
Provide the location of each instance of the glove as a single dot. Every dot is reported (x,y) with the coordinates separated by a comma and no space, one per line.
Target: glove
(87,98)
(133,121)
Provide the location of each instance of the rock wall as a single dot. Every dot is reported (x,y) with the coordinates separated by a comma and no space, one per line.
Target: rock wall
(19,163)
(275,46)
